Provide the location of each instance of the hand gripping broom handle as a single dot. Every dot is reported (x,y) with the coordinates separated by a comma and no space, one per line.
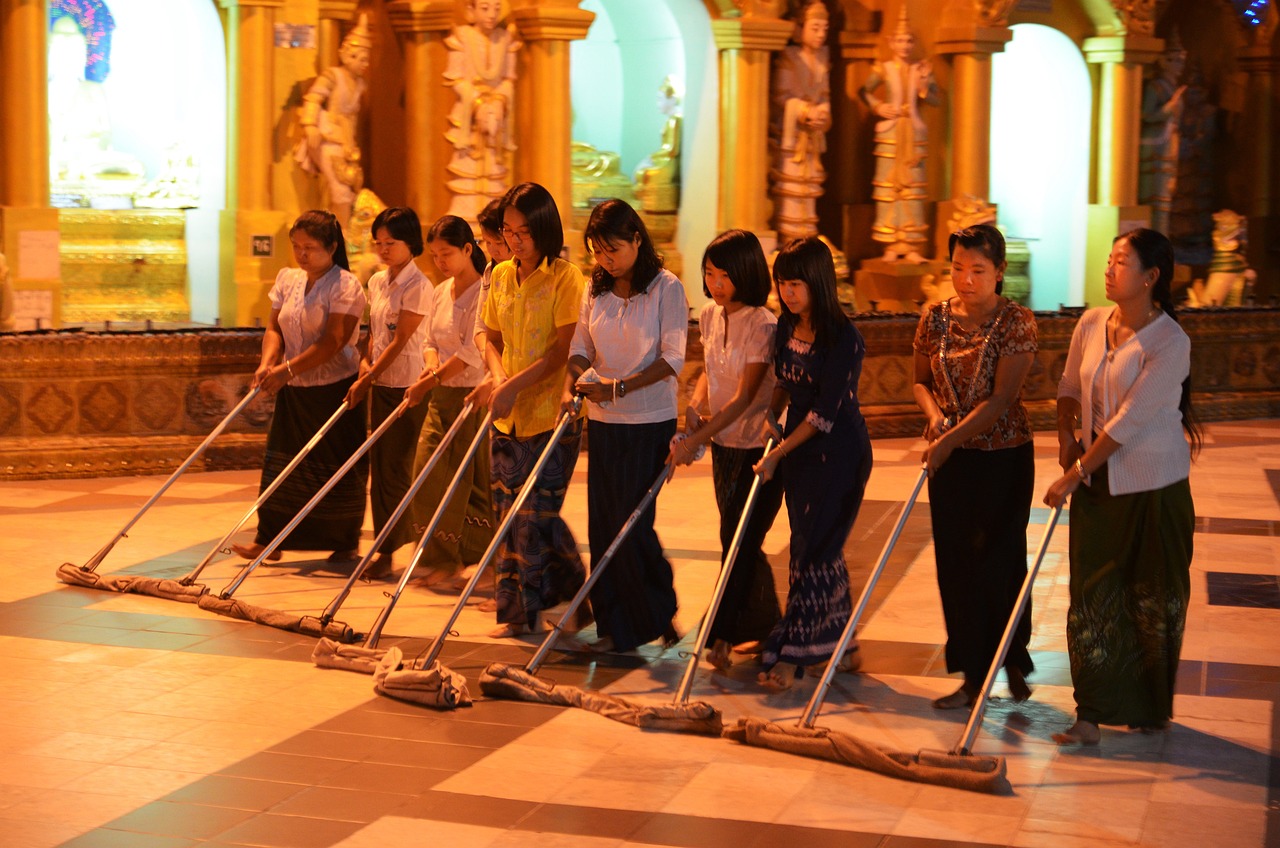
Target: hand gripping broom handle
(221,546)
(525,491)
(965,743)
(704,632)
(820,693)
(376,630)
(596,570)
(315,499)
(97,558)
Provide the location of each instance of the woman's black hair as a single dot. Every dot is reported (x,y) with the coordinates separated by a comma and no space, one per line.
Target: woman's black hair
(323,226)
(738,253)
(985,239)
(614,222)
(402,224)
(809,260)
(1154,250)
(541,215)
(490,217)
(453,230)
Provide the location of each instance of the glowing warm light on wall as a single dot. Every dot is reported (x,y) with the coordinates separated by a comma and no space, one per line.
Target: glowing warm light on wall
(1040,125)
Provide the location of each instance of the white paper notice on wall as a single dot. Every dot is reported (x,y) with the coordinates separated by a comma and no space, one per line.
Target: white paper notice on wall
(38,255)
(32,309)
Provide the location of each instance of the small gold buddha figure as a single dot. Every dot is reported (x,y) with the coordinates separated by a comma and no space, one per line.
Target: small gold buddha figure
(657,177)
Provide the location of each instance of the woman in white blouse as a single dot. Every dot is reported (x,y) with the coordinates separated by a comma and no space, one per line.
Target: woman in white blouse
(309,361)
(398,299)
(626,352)
(1127,386)
(453,368)
(735,389)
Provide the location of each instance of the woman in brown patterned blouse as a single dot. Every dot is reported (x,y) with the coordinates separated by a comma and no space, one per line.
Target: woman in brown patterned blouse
(972,352)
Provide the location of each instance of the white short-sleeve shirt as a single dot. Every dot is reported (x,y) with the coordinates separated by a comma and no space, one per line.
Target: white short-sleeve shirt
(410,291)
(452,331)
(622,336)
(305,314)
(728,348)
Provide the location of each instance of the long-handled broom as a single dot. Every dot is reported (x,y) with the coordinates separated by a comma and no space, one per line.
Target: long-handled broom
(501,680)
(224,604)
(731,556)
(425,680)
(86,575)
(331,611)
(222,546)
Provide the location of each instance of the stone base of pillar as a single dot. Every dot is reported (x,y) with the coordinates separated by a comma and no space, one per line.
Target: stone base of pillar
(255,246)
(896,286)
(29,239)
(1105,223)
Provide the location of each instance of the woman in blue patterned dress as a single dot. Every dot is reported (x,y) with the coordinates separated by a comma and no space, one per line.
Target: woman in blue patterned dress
(825,458)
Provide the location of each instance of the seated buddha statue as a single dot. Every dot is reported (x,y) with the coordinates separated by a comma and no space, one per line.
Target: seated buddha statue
(657,177)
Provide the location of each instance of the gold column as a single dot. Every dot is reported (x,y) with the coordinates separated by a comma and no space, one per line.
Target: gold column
(24,100)
(971,49)
(422,27)
(1115,208)
(329,38)
(746,46)
(246,265)
(1261,66)
(849,172)
(29,229)
(543,108)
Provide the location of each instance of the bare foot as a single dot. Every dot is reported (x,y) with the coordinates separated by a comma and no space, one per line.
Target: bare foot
(435,577)
(753,647)
(780,677)
(254,551)
(1018,688)
(603,645)
(488,605)
(380,568)
(345,556)
(718,656)
(960,699)
(1081,733)
(852,659)
(506,631)
(670,637)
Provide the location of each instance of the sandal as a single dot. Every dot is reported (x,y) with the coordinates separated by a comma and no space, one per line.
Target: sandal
(508,631)
(671,637)
(351,555)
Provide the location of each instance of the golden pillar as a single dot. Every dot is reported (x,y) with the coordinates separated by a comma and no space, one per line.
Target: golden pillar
(746,46)
(1114,208)
(254,236)
(422,27)
(29,231)
(24,98)
(543,108)
(971,49)
(849,172)
(333,13)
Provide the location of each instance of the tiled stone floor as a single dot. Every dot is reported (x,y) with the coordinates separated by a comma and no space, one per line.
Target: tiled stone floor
(134,721)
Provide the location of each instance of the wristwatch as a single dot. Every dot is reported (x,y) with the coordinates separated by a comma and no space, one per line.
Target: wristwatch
(622,388)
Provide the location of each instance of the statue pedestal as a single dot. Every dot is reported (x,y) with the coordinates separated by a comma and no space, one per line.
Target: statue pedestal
(896,286)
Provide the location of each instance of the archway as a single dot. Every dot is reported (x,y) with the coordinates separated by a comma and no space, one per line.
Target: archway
(164,96)
(616,72)
(1041,102)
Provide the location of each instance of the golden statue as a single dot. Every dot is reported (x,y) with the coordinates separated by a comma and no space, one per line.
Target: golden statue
(482,71)
(901,144)
(800,117)
(657,177)
(330,109)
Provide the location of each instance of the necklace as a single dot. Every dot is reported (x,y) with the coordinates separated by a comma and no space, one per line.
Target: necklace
(1113,330)
(963,405)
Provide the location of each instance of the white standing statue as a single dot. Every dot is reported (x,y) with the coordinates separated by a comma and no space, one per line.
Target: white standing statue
(330,110)
(801,116)
(901,145)
(482,72)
